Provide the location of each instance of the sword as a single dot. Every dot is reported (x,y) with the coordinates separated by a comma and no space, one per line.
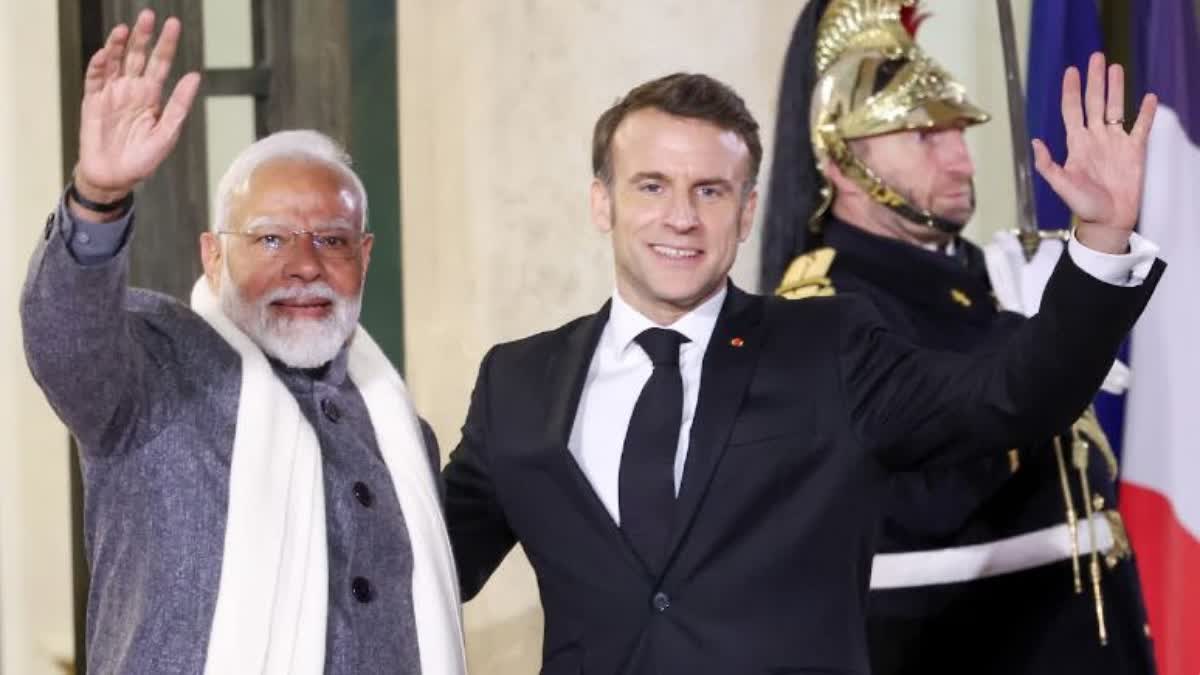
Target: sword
(1027,228)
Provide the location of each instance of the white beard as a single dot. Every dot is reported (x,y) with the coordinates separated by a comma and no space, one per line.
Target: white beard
(296,342)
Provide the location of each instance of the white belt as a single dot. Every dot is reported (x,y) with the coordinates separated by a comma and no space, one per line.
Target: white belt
(964,563)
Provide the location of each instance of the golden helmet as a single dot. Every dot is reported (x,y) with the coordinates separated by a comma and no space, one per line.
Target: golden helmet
(873,79)
(853,70)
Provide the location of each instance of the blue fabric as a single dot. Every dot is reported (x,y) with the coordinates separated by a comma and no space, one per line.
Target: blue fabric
(1061,33)
(1064,33)
(1170,47)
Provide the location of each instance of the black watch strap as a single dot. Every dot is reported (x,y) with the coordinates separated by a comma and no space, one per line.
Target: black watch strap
(121,204)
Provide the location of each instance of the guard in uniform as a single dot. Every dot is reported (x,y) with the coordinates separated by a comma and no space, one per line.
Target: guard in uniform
(1014,564)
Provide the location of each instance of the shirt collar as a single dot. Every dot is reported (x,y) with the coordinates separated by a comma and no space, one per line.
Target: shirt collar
(625,323)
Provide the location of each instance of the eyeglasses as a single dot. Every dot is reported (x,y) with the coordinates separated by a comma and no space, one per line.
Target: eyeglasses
(332,245)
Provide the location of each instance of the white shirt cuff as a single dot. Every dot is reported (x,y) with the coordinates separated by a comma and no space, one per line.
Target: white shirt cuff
(1129,269)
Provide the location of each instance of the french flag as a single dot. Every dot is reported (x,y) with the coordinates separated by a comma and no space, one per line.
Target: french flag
(1160,484)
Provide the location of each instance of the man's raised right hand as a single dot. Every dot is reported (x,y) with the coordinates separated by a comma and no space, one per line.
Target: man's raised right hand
(125,132)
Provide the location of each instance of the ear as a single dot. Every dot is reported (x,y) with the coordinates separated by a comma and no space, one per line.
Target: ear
(601,205)
(746,219)
(368,243)
(211,257)
(841,184)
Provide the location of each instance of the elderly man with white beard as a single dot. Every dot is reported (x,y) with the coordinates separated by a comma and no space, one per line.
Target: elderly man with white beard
(260,496)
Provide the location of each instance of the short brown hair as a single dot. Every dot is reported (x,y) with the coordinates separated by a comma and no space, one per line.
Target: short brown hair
(691,95)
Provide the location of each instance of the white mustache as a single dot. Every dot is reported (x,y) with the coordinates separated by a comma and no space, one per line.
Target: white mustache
(318,290)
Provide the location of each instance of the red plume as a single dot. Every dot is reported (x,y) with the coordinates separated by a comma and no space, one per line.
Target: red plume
(912,17)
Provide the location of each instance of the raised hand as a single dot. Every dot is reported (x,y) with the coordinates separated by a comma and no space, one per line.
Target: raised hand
(125,132)
(1101,181)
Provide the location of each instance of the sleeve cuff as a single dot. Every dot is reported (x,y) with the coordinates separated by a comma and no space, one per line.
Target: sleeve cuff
(1128,269)
(94,243)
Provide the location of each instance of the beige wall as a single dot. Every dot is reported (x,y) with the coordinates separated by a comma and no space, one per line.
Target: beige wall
(497,100)
(35,555)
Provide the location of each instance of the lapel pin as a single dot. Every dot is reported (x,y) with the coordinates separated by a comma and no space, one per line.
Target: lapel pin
(737,342)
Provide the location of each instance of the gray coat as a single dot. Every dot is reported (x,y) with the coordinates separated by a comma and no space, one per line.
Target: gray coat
(150,392)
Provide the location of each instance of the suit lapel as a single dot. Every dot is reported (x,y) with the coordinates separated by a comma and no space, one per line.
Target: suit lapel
(567,373)
(728,366)
(566,376)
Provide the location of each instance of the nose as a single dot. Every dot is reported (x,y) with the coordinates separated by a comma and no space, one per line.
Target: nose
(301,262)
(683,215)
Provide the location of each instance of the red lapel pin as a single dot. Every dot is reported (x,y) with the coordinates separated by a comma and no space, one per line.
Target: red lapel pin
(737,342)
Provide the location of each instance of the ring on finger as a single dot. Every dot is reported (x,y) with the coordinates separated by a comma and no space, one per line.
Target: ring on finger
(1119,120)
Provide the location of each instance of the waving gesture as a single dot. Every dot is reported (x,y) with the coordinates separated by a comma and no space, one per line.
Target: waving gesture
(1101,181)
(125,132)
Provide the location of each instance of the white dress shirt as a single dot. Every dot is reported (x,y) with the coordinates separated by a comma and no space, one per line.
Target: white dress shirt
(619,369)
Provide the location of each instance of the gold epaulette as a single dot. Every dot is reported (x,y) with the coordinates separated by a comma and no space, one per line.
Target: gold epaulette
(808,276)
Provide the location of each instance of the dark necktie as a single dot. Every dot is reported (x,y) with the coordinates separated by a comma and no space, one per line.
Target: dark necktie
(647,475)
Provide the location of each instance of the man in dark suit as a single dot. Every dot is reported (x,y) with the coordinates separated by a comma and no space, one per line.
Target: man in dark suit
(685,507)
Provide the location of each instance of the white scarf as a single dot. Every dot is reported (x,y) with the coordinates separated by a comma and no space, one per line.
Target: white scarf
(270,615)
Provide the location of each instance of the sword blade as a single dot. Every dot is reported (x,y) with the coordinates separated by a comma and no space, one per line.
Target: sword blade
(1026,213)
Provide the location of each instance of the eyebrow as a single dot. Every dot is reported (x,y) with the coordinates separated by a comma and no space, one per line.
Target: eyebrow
(659,176)
(714,182)
(259,222)
(268,221)
(649,175)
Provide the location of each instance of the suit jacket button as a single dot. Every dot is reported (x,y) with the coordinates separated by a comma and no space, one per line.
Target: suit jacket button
(332,412)
(363,494)
(661,601)
(360,588)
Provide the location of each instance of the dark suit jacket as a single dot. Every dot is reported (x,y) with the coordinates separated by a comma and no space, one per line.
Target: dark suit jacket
(782,489)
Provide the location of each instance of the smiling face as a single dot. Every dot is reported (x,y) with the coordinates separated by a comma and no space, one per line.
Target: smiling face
(297,297)
(677,207)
